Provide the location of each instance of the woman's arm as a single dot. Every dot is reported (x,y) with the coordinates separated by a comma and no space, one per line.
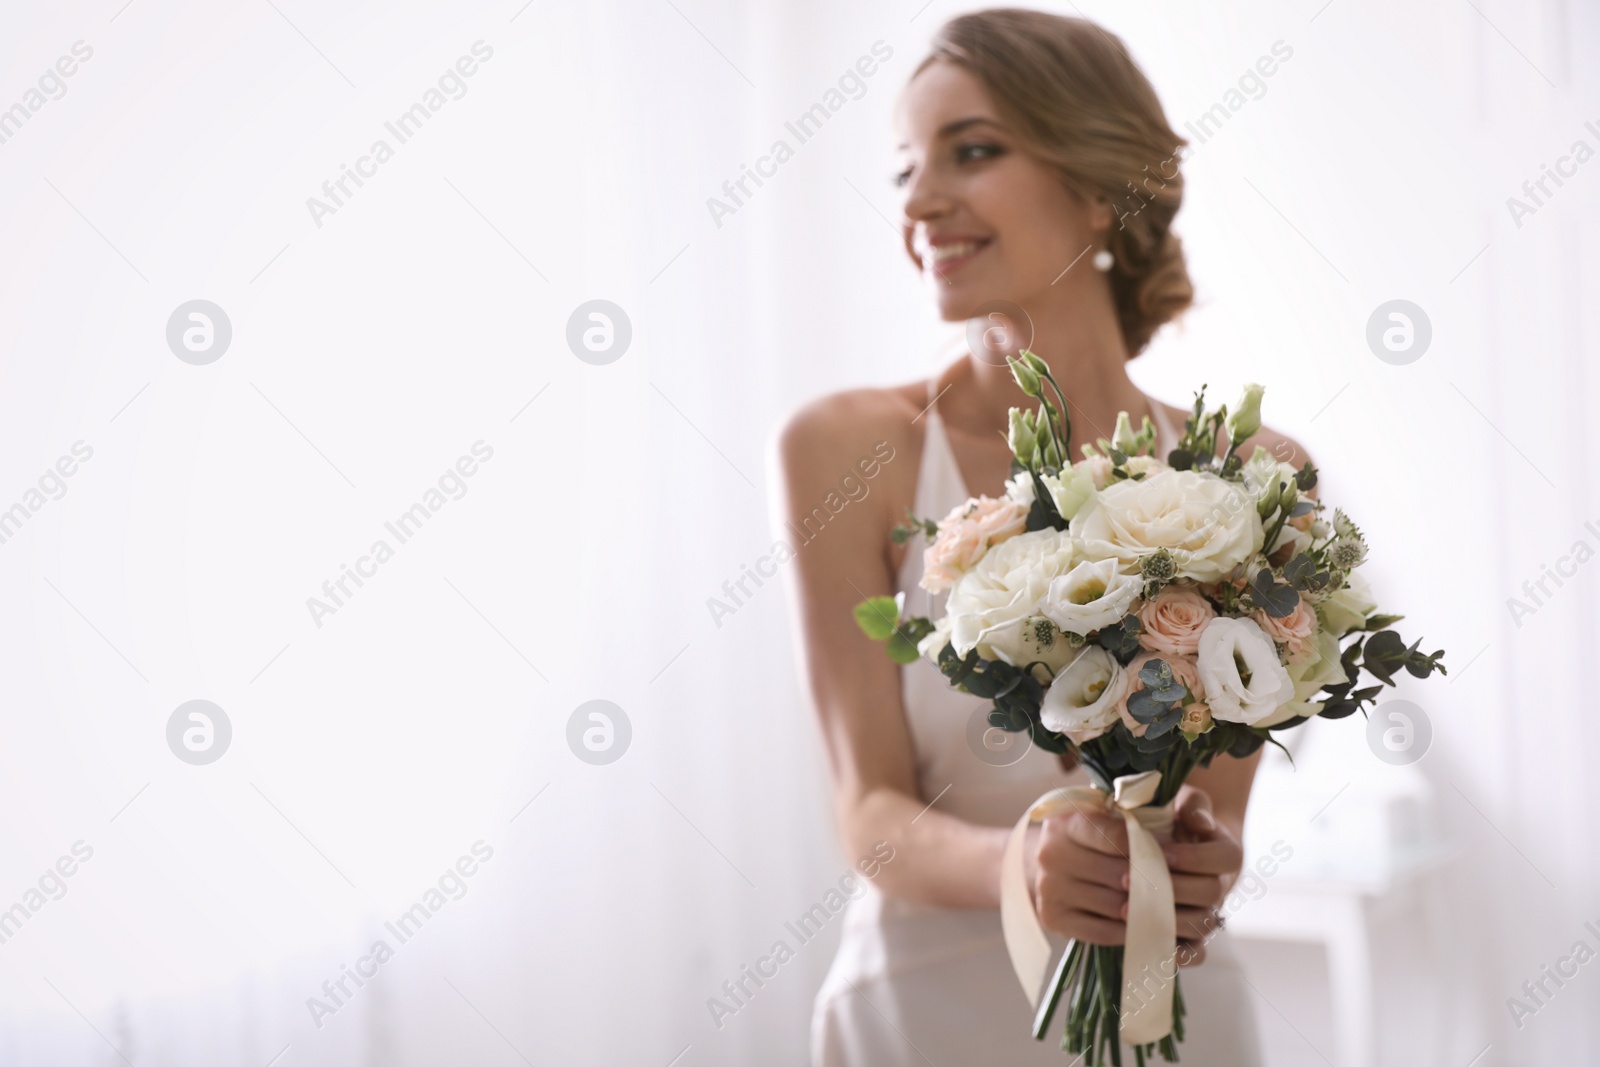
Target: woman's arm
(854,688)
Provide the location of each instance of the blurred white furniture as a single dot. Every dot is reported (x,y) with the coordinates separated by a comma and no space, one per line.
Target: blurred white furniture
(1363,854)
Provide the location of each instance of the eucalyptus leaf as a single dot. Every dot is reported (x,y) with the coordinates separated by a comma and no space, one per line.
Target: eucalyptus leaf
(878,616)
(1272,596)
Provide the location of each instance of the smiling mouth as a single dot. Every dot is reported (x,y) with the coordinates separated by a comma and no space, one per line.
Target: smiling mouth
(946,258)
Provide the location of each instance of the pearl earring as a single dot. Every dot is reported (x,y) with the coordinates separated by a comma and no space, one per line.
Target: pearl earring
(1103,260)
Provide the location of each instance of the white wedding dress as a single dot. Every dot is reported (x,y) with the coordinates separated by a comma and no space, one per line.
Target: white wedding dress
(914,985)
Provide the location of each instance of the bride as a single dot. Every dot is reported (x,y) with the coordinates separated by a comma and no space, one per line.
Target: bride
(1039,177)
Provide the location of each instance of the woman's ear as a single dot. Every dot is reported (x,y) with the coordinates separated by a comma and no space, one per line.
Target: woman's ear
(1100,215)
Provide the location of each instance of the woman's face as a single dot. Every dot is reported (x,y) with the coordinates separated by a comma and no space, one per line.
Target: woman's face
(983,219)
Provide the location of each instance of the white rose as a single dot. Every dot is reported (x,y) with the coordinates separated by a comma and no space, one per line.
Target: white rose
(1308,677)
(1070,490)
(1082,701)
(1230,651)
(987,604)
(1208,524)
(1348,608)
(1091,595)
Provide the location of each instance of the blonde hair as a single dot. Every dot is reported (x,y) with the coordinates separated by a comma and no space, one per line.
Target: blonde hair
(1079,102)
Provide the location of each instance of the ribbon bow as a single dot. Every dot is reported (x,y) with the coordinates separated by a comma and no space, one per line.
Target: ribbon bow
(1147,975)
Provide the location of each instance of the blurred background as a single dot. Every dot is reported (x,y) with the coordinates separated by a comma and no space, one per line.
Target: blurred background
(413,757)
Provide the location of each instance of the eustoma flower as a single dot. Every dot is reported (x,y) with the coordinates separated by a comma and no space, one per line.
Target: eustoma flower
(1239,668)
(1090,596)
(1082,701)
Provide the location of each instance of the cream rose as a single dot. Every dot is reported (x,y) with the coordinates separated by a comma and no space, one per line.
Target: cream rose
(1082,701)
(1239,668)
(965,535)
(1293,631)
(1090,596)
(1173,620)
(1209,525)
(1004,588)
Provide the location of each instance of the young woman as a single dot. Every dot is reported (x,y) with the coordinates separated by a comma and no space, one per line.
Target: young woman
(1039,175)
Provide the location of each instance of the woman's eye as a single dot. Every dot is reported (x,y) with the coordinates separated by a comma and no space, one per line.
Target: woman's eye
(900,179)
(969,152)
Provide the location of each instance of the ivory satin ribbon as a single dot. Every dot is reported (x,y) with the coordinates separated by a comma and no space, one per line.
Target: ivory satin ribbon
(1149,964)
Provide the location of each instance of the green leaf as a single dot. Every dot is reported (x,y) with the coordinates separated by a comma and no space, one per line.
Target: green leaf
(878,616)
(1385,653)
(1380,622)
(1301,572)
(1338,709)
(1122,640)
(1245,745)
(901,649)
(1272,596)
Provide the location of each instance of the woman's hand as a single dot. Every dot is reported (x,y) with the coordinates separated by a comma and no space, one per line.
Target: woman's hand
(1080,876)
(1203,856)
(1080,873)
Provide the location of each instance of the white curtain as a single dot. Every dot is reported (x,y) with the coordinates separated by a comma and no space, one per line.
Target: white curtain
(430,311)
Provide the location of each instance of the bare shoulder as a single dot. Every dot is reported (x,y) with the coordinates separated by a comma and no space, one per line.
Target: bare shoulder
(835,431)
(846,417)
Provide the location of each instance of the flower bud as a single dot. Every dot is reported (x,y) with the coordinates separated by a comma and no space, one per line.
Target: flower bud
(1027,379)
(1289,494)
(1269,499)
(1123,436)
(1023,438)
(1246,417)
(1037,365)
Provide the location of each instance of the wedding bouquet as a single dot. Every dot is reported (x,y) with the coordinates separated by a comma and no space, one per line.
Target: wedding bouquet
(1144,614)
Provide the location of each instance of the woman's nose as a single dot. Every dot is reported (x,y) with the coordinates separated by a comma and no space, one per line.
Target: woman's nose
(925,196)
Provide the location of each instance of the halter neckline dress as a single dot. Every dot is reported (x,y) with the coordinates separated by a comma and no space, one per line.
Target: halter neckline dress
(914,984)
